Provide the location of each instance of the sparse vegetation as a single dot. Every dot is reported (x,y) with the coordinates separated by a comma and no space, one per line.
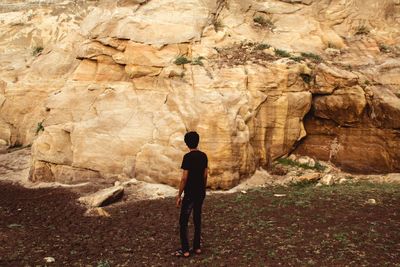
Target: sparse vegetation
(282,53)
(198,61)
(39,127)
(103,263)
(348,67)
(262,46)
(297,58)
(37,50)
(314,57)
(288,162)
(182,60)
(243,52)
(319,167)
(303,226)
(303,183)
(264,22)
(385,48)
(362,30)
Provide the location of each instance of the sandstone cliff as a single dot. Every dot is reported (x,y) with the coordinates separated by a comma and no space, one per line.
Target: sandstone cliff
(107,89)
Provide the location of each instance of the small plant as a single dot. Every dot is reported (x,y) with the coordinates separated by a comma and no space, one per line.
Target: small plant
(282,53)
(348,67)
(312,56)
(37,50)
(264,22)
(296,58)
(286,162)
(39,127)
(262,46)
(182,60)
(362,30)
(104,263)
(367,82)
(198,61)
(342,237)
(319,167)
(385,48)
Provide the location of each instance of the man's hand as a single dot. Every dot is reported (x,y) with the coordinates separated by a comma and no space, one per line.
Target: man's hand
(178,201)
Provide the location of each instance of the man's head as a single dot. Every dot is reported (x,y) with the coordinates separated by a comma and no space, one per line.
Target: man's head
(192,139)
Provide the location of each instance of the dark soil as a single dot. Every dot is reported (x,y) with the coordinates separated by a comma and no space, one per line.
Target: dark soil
(326,226)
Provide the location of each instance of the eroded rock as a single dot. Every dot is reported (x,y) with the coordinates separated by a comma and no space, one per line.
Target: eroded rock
(103,197)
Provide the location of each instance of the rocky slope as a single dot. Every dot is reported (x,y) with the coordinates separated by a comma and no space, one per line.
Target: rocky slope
(107,89)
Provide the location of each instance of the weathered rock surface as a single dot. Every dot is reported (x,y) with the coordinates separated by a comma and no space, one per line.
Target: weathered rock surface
(99,95)
(103,197)
(14,166)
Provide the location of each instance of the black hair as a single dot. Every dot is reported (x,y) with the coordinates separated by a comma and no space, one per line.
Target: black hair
(192,139)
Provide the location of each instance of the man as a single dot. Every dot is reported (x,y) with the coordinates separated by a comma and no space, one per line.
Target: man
(193,183)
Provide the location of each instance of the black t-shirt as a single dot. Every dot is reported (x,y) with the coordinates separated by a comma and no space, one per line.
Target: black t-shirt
(195,162)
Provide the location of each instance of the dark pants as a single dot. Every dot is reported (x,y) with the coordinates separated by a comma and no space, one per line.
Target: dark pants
(189,204)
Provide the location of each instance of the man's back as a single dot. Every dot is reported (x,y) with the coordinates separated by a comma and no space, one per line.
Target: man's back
(195,162)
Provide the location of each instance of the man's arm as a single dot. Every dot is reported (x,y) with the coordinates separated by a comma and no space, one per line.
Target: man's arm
(181,187)
(205,175)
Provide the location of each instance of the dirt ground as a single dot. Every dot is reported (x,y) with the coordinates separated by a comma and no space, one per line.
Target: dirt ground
(308,226)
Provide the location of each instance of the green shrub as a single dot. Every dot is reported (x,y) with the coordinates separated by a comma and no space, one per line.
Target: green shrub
(39,127)
(312,56)
(385,48)
(282,53)
(181,60)
(37,50)
(297,59)
(288,162)
(362,30)
(264,22)
(319,167)
(262,46)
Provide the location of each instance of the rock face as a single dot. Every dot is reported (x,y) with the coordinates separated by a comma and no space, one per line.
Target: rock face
(104,93)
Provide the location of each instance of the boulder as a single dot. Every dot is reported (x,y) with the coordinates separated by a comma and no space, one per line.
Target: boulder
(345,106)
(103,197)
(329,78)
(327,179)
